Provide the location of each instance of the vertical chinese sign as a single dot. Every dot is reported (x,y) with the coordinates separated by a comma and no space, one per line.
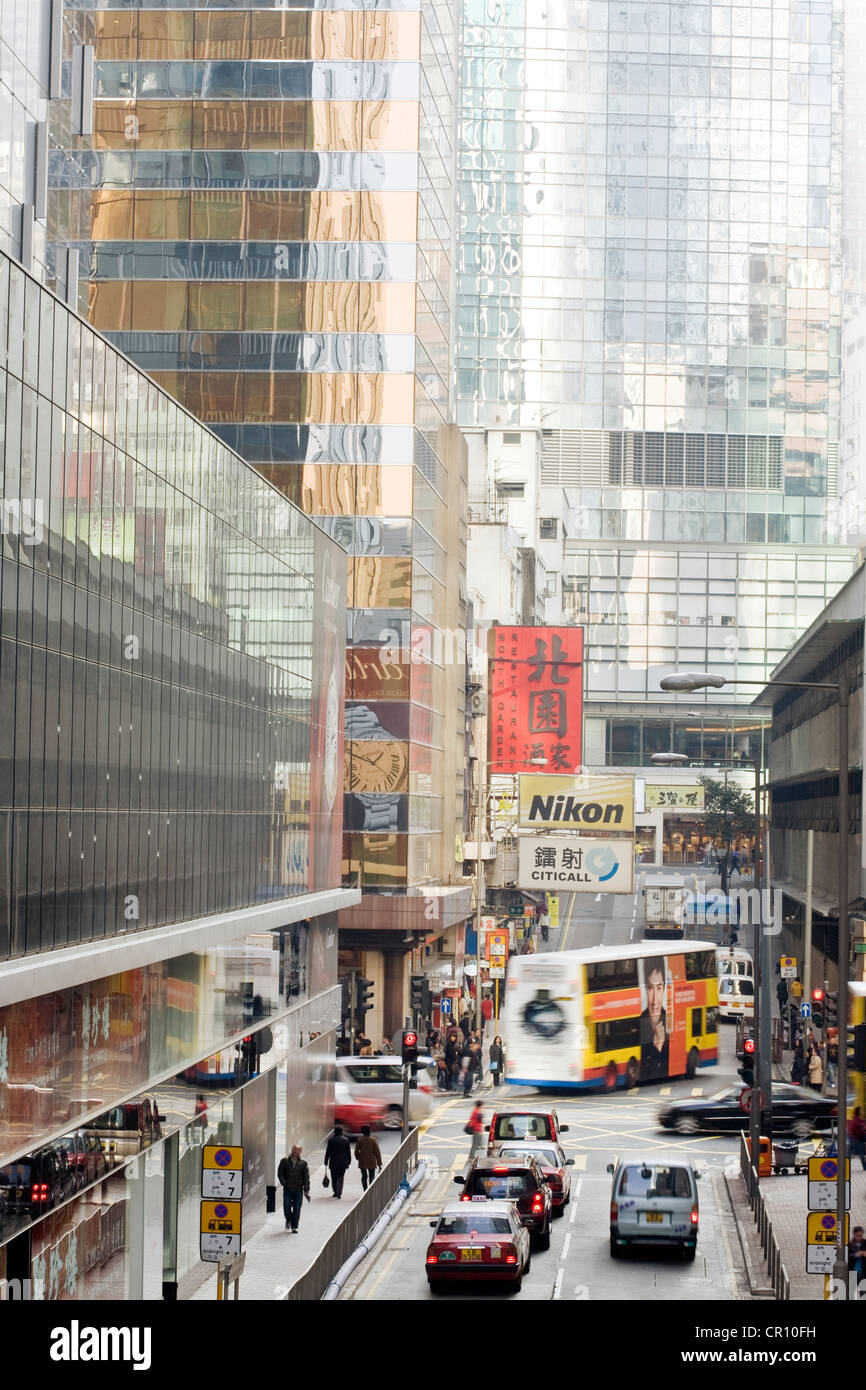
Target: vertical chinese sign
(536,698)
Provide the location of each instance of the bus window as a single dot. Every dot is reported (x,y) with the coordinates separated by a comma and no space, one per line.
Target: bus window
(617,1033)
(611,974)
(697,1022)
(700,965)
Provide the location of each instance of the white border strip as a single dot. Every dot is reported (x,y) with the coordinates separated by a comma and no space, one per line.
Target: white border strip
(29,976)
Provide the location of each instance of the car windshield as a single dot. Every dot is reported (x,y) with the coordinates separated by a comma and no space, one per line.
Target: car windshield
(372,1074)
(522,1127)
(508,1186)
(549,1156)
(655,1182)
(473,1223)
(68,1143)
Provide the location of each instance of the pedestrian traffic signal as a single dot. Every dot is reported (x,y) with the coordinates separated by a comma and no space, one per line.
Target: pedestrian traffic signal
(409,1046)
(417,993)
(363,994)
(818,1008)
(747,1071)
(831,1008)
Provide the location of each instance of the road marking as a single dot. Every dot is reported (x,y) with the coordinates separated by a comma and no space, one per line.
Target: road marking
(384,1270)
(598,897)
(565,1245)
(580,1161)
(697,1090)
(575,1192)
(631,934)
(557,1286)
(665,1090)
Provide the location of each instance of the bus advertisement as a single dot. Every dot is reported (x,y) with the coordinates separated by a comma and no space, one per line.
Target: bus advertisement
(610,1016)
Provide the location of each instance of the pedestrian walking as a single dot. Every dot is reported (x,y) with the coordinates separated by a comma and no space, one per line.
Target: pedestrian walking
(798,1065)
(782,996)
(857,1137)
(368,1155)
(816,1070)
(486,1009)
(452,1060)
(438,1053)
(465,1025)
(338,1157)
(734,863)
(857,1253)
(797,989)
(496,1060)
(475,1128)
(293,1175)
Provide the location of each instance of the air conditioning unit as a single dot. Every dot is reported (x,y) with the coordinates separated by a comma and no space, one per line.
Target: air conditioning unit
(477,703)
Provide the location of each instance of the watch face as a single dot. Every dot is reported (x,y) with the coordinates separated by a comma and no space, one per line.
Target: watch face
(332,738)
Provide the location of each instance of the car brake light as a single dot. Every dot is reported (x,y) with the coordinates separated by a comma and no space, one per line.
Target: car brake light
(466,1199)
(511,1259)
(538,1202)
(432,1259)
(614,1211)
(694,1216)
(500,1170)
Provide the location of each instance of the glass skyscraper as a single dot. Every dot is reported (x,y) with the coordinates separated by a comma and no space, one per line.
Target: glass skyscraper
(650,281)
(262,221)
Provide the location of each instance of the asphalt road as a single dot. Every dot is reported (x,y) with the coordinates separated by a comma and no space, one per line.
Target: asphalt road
(578,1264)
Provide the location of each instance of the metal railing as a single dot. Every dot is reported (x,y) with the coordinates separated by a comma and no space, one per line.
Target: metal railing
(769,1244)
(351,1231)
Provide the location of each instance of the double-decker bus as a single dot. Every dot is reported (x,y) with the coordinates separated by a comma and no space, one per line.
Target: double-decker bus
(611,1016)
(856,1042)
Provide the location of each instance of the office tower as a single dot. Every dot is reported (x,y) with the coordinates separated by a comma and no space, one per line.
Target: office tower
(171,654)
(650,291)
(262,221)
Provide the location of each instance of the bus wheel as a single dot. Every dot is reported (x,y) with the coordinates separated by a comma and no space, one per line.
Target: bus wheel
(611,1076)
(692,1062)
(632,1072)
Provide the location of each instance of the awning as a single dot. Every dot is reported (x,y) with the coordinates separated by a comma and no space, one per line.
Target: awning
(827,907)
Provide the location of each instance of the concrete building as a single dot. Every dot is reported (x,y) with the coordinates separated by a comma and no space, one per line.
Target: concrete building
(803,773)
(259,213)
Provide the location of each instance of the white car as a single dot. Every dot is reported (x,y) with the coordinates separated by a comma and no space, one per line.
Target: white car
(736,997)
(381,1079)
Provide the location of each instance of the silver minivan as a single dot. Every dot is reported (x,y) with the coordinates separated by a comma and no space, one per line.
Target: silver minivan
(654,1202)
(381,1079)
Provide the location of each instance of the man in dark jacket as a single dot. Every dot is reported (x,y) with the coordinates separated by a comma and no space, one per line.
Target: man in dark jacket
(369,1156)
(338,1157)
(293,1175)
(452,1056)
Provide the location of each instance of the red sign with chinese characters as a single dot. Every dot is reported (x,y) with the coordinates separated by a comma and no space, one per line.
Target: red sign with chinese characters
(536,698)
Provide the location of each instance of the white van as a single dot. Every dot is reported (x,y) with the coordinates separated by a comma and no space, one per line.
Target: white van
(381,1079)
(733,960)
(736,997)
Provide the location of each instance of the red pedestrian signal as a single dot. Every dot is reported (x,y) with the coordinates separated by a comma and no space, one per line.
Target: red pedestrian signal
(817,996)
(409,1046)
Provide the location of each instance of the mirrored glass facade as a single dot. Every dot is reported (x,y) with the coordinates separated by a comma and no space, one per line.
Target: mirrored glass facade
(262,219)
(650,278)
(165,751)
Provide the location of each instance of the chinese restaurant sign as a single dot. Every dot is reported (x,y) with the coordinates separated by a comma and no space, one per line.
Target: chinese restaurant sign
(681,798)
(536,698)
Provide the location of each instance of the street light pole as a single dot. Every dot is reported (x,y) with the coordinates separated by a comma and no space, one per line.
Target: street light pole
(480,891)
(840,1268)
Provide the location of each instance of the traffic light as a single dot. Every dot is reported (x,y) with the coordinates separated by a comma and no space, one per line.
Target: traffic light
(818,1008)
(363,994)
(345,997)
(409,1046)
(831,1008)
(417,993)
(747,1070)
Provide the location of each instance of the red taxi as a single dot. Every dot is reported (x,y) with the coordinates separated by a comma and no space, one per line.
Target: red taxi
(554,1166)
(483,1240)
(352,1113)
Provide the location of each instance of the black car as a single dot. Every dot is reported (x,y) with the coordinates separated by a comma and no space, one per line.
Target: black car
(796,1110)
(38,1182)
(517,1180)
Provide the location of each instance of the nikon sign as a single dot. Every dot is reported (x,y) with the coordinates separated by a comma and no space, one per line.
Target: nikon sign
(576,803)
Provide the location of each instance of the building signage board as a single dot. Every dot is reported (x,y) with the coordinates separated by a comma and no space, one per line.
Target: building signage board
(576,864)
(536,698)
(597,804)
(788,967)
(674,797)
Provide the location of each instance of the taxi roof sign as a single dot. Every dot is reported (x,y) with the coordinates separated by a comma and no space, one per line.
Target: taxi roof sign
(223,1156)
